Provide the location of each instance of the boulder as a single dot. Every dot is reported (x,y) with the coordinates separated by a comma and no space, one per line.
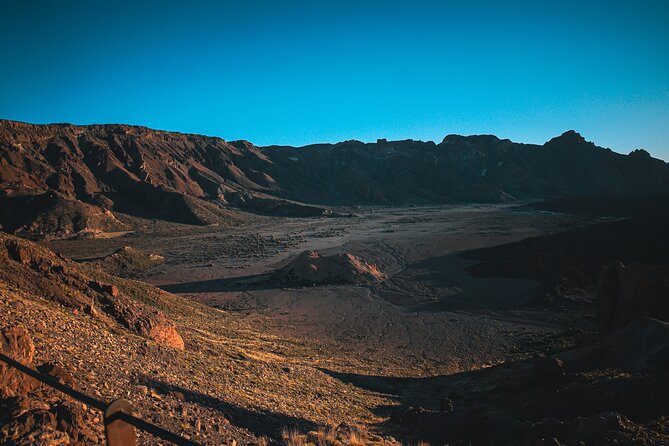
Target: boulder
(56,371)
(30,421)
(144,320)
(16,343)
(112,290)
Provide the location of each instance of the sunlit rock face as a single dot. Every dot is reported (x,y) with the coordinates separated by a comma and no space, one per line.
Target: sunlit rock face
(84,174)
(310,267)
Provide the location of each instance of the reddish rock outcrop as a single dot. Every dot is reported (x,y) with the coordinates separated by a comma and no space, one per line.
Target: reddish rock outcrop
(16,343)
(312,268)
(39,272)
(143,320)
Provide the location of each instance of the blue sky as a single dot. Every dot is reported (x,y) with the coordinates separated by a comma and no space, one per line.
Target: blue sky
(298,72)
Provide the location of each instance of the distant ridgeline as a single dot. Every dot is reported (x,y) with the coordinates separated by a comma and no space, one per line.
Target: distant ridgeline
(62,180)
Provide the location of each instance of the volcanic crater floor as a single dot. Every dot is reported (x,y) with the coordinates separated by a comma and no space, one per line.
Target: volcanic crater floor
(261,356)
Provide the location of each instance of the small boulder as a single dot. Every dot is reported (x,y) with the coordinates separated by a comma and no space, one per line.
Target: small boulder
(111,290)
(16,343)
(54,370)
(144,320)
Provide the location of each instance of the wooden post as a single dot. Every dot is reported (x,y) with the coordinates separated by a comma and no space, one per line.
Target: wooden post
(118,432)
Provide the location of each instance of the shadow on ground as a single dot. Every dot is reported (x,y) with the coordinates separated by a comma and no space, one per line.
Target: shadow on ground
(260,422)
(444,283)
(424,392)
(241,283)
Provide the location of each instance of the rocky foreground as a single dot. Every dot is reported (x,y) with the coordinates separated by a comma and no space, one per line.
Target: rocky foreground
(38,271)
(185,366)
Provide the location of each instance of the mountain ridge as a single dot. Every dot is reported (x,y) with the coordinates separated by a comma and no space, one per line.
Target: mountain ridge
(196,179)
(17,123)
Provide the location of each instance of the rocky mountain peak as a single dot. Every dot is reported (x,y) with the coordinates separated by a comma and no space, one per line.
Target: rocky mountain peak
(569,138)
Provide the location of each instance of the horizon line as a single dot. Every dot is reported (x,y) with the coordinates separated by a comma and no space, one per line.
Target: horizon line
(64,123)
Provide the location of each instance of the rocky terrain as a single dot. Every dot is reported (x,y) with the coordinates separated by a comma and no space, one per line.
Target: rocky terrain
(39,272)
(35,414)
(128,262)
(226,381)
(63,180)
(430,353)
(179,272)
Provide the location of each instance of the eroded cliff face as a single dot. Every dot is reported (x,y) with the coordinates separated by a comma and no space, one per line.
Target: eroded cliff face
(76,177)
(39,272)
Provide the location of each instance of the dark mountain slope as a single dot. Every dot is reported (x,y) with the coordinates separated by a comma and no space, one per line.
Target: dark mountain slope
(473,168)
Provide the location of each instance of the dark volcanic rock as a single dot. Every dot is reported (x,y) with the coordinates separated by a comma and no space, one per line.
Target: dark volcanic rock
(641,345)
(575,258)
(56,371)
(615,298)
(625,293)
(31,414)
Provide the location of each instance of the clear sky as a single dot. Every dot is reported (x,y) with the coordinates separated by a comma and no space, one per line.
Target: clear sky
(298,72)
